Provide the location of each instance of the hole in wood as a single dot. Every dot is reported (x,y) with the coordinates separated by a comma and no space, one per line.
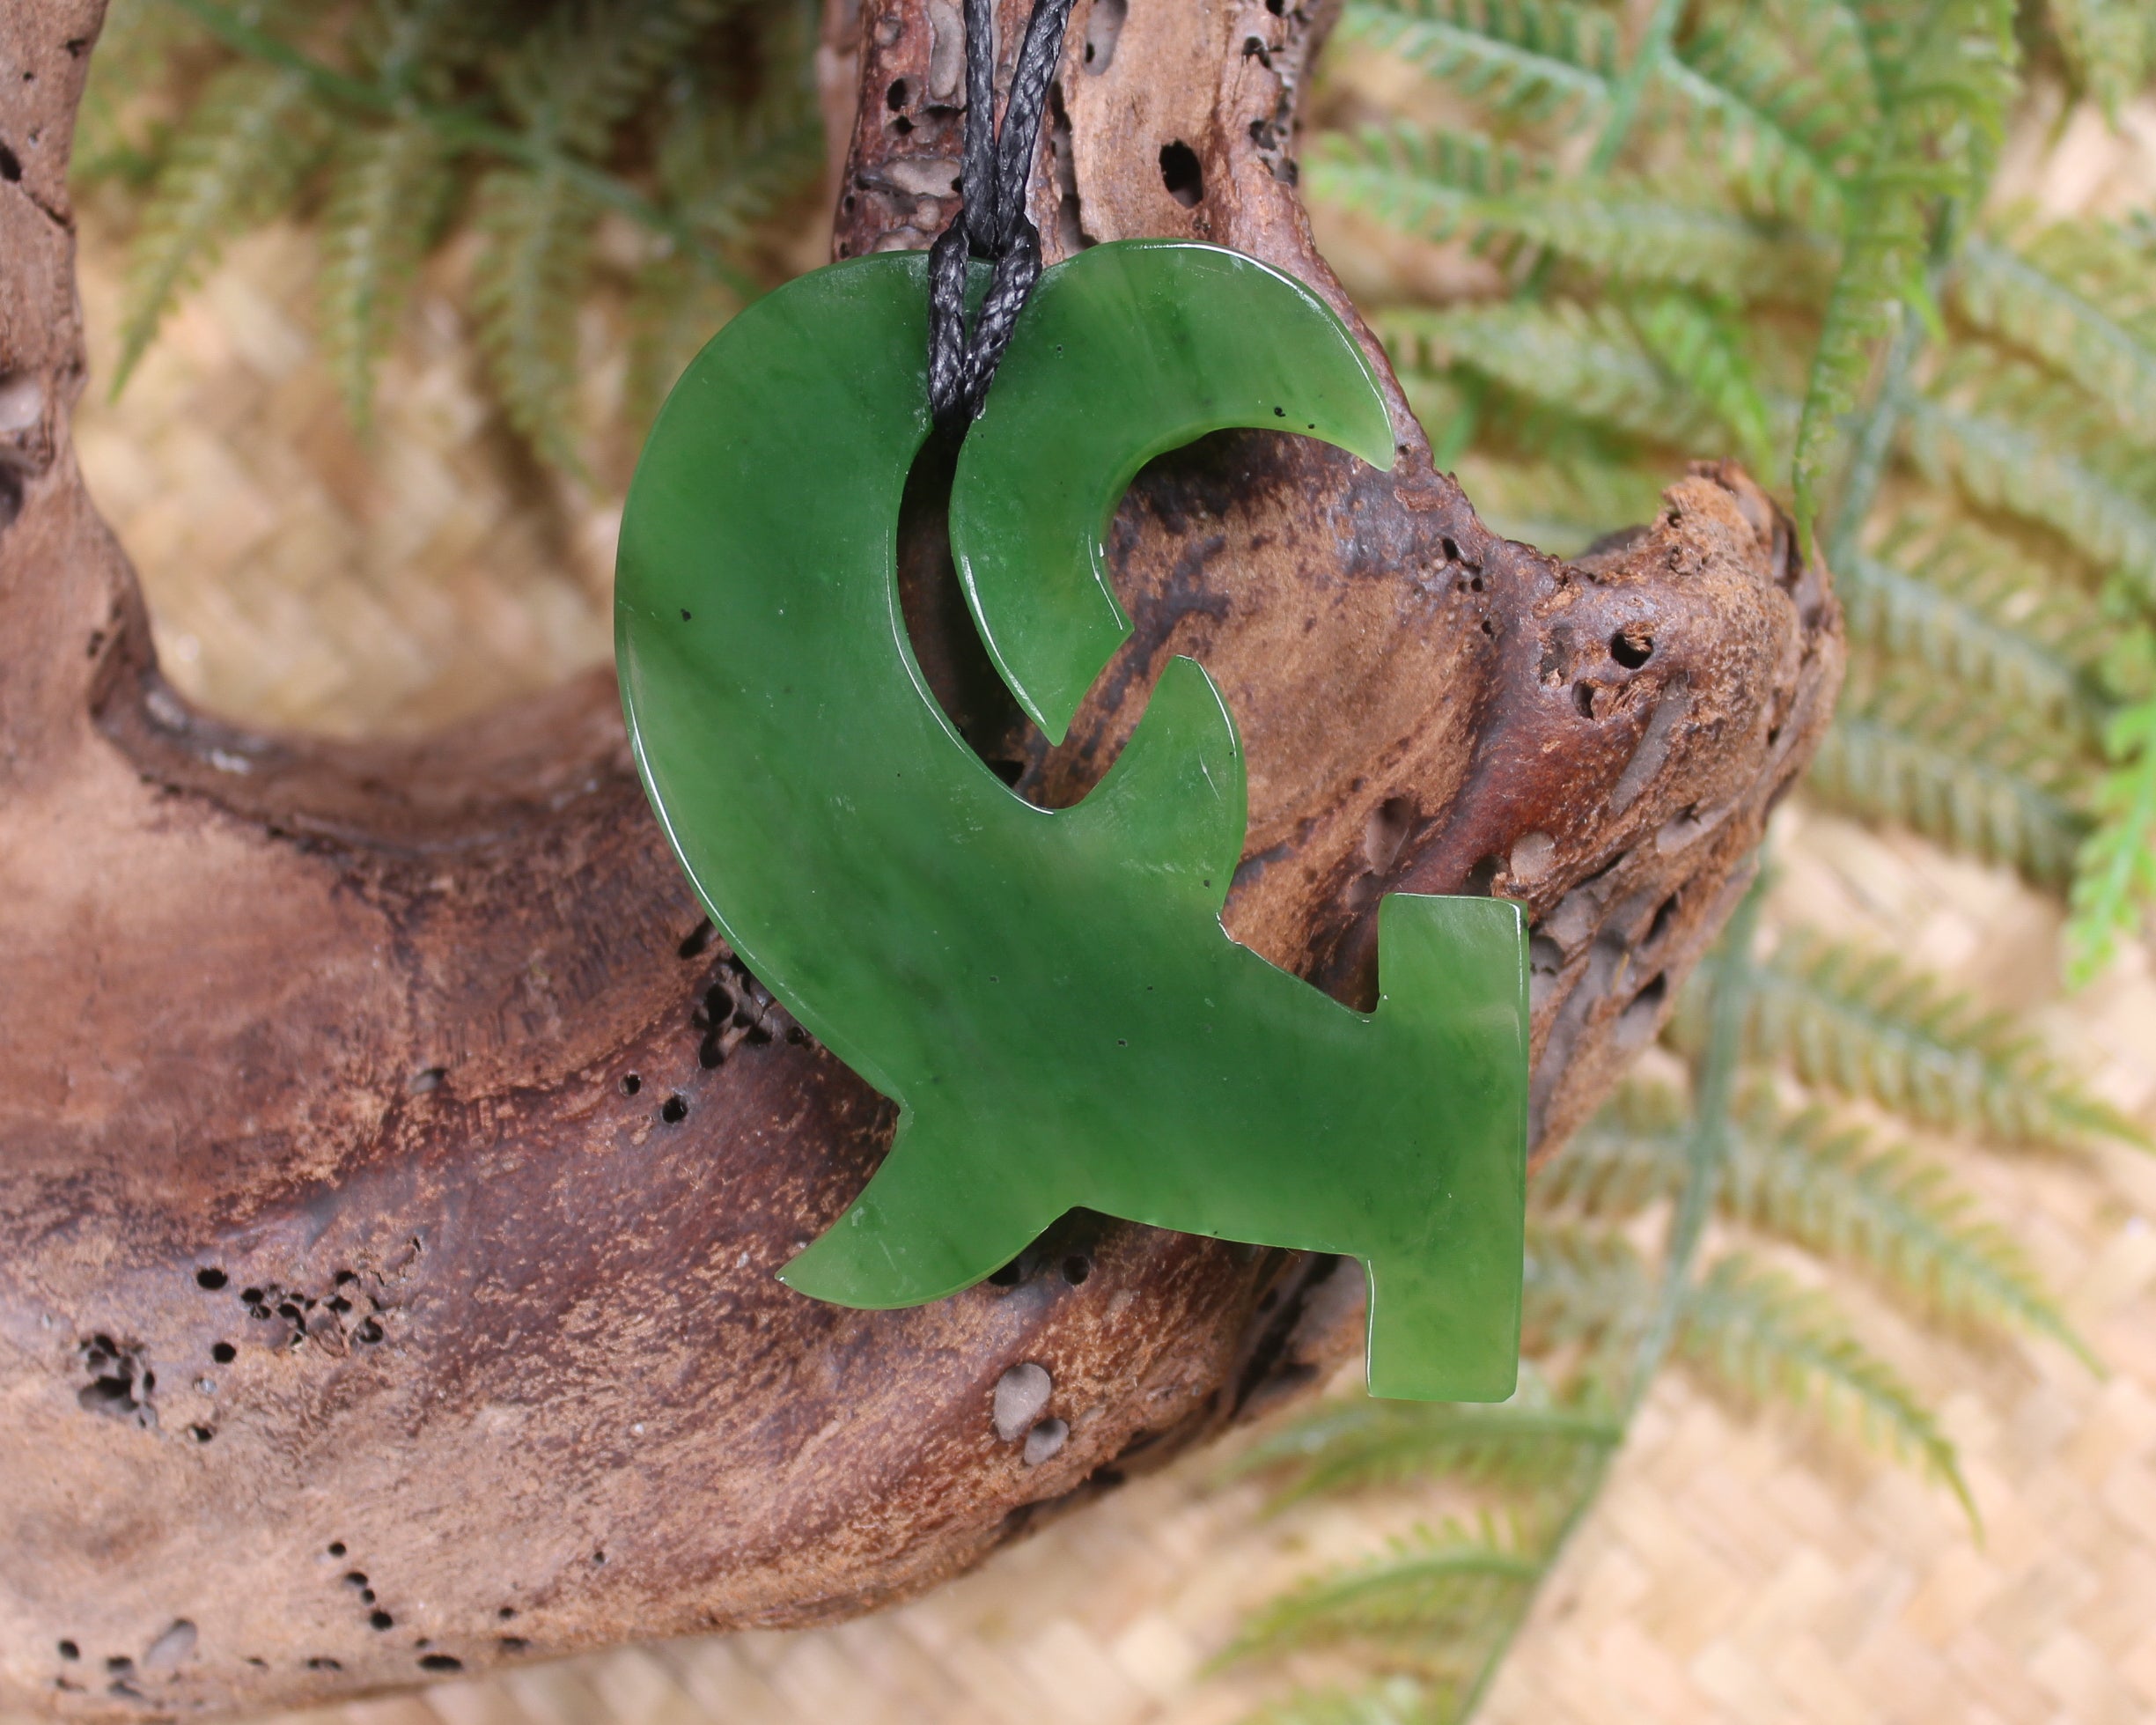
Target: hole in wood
(1181,174)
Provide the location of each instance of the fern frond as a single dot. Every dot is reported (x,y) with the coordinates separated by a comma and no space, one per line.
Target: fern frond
(1442,185)
(1562,504)
(1860,1023)
(1762,1335)
(138,40)
(1978,613)
(1629,1155)
(1790,83)
(2114,875)
(2079,296)
(1430,182)
(1703,347)
(1944,75)
(2018,442)
(572,79)
(234,163)
(2108,46)
(1437,1603)
(386,198)
(1975,779)
(1582,359)
(538,229)
(1536,59)
(1580,1285)
(1523,1444)
(1901,1220)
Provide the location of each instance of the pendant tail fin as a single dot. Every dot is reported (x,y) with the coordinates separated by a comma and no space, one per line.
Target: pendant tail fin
(1445,1316)
(941,1213)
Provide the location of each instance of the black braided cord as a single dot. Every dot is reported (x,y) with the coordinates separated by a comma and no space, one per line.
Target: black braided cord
(991,223)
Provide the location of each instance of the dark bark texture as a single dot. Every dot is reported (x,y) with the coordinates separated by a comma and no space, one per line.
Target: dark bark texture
(393,1168)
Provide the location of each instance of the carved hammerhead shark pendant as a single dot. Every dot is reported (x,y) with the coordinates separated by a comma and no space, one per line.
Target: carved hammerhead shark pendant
(1049,995)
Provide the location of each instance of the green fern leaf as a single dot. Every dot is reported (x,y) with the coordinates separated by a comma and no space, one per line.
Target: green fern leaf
(1535,59)
(1705,348)
(1972,778)
(587,66)
(1758,1333)
(1582,359)
(1950,600)
(386,198)
(1789,83)
(2108,46)
(538,229)
(2115,876)
(2079,296)
(1861,1024)
(1581,1285)
(1943,71)
(1904,1222)
(2018,442)
(1436,1603)
(1629,1155)
(1526,1444)
(235,162)
(1436,186)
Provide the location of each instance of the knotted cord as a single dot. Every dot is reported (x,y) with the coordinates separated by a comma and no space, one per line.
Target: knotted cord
(991,223)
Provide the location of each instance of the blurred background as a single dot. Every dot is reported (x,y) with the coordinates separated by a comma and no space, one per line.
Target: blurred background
(1841,1394)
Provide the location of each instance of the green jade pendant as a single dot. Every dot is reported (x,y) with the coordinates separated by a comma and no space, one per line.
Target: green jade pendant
(1049,995)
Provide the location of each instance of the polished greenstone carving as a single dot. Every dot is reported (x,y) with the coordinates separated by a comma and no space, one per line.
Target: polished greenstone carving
(1048,995)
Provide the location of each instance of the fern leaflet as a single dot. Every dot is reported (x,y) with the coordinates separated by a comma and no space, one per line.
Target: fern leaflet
(1762,1335)
(1535,59)
(2079,296)
(1970,777)
(235,162)
(1943,71)
(2115,876)
(1862,1024)
(538,228)
(388,195)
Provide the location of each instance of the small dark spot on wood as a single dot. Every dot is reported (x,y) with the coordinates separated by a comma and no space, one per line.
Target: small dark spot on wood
(440,1661)
(631,1084)
(368,1333)
(225,1354)
(323,1662)
(10,168)
(211,1279)
(1076,1268)
(1103,24)
(506,1614)
(68,1651)
(695,942)
(380,1620)
(1633,645)
(894,97)
(336,1548)
(674,1111)
(354,1578)
(1583,697)
(426,1079)
(201,1433)
(512,1644)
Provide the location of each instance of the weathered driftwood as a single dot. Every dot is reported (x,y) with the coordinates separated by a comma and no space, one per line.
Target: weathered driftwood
(393,1168)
